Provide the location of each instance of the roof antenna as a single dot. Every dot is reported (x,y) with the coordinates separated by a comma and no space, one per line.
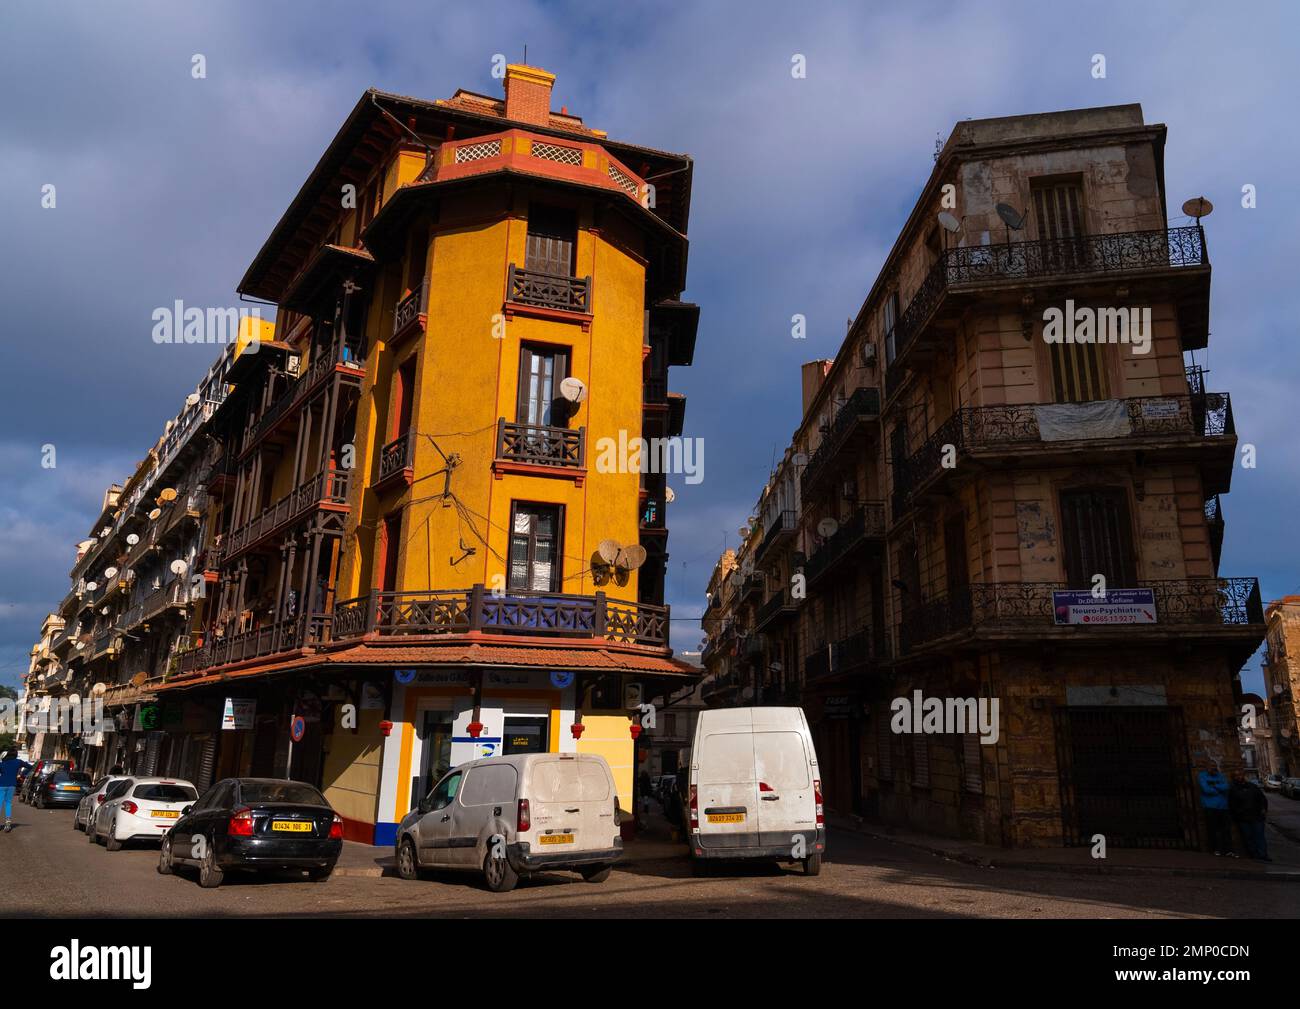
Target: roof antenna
(525,54)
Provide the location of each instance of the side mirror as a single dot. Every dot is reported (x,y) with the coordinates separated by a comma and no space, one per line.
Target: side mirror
(185,810)
(423,806)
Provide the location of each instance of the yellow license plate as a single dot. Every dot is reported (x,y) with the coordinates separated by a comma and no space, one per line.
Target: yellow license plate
(726,817)
(291,826)
(555,839)
(166,814)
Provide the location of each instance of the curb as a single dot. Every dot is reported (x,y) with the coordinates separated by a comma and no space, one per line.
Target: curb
(1284,876)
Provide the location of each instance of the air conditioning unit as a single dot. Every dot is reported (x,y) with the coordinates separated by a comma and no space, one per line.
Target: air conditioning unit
(869,354)
(632,695)
(293,364)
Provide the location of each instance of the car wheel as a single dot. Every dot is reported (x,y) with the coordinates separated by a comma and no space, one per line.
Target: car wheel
(407,866)
(111,841)
(165,857)
(90,832)
(38,803)
(499,874)
(76,820)
(321,874)
(812,865)
(596,873)
(210,874)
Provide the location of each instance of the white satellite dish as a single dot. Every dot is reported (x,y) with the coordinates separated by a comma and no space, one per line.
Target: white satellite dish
(103,611)
(1198,207)
(99,689)
(110,573)
(179,567)
(948,222)
(827,528)
(132,539)
(669,495)
(74,698)
(192,399)
(631,557)
(91,586)
(573,389)
(155,513)
(744,531)
(608,550)
(105,531)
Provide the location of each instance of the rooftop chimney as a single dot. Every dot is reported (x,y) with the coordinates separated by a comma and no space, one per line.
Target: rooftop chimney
(814,373)
(528,94)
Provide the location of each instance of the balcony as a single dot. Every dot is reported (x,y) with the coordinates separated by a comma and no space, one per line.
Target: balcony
(860,408)
(1230,608)
(464,611)
(287,635)
(750,585)
(865,525)
(531,292)
(327,489)
(779,607)
(397,460)
(411,316)
(852,654)
(972,270)
(1198,426)
(655,392)
(344,357)
(782,530)
(540,450)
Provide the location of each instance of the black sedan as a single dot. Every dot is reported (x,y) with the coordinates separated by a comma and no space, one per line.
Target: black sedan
(255,824)
(60,788)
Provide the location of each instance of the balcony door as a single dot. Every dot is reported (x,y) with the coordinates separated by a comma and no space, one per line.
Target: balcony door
(1097,536)
(392,536)
(1058,213)
(552,235)
(535,542)
(541,370)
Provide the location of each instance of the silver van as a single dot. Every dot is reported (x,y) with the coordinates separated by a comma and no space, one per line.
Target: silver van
(508,817)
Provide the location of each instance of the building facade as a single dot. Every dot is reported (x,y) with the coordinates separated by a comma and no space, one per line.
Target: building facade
(430,542)
(1281,681)
(1016,524)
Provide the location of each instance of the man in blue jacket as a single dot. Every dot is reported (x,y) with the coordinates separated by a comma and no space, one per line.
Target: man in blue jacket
(10,768)
(1214,800)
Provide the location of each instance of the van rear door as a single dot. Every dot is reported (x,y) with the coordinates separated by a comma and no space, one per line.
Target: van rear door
(726,787)
(787,804)
(571,799)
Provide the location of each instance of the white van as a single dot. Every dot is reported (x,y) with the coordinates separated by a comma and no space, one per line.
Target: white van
(755,791)
(508,817)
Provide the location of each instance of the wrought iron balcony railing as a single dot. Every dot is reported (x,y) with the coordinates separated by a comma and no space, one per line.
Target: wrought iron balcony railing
(866,523)
(782,527)
(549,290)
(1028,606)
(398,455)
(864,404)
(778,606)
(978,265)
(460,611)
(847,655)
(541,444)
(988,428)
(326,487)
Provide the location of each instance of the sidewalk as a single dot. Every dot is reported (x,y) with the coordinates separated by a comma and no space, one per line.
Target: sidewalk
(1285,852)
(653,844)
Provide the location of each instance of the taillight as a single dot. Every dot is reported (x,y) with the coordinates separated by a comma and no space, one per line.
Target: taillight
(99,798)
(130,807)
(617,818)
(336,828)
(817,797)
(241,823)
(525,820)
(695,809)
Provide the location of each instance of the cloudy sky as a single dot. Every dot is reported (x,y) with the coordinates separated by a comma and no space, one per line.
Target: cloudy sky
(167,185)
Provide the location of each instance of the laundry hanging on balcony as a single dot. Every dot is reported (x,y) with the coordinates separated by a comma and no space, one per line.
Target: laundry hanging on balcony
(1107,418)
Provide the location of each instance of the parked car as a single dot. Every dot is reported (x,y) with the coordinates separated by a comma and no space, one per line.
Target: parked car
(1291,788)
(92,800)
(60,788)
(139,809)
(108,787)
(509,817)
(41,769)
(755,790)
(1273,782)
(254,824)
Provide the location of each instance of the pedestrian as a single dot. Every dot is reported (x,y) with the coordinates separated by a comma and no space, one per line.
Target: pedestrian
(1214,800)
(1249,808)
(10,768)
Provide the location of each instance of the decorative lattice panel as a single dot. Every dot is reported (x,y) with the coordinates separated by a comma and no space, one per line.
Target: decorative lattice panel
(625,182)
(561,155)
(477,152)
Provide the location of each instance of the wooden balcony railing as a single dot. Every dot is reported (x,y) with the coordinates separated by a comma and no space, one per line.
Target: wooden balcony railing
(1028,606)
(329,486)
(541,444)
(348,353)
(458,611)
(411,313)
(548,290)
(979,265)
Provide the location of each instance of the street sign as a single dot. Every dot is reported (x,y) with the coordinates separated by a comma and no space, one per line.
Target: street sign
(297,728)
(1116,606)
(561,679)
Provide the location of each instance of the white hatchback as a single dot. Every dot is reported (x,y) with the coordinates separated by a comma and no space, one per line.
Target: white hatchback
(144,810)
(92,800)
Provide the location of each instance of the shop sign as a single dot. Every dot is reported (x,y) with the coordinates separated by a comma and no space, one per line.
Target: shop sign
(239,713)
(1117,606)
